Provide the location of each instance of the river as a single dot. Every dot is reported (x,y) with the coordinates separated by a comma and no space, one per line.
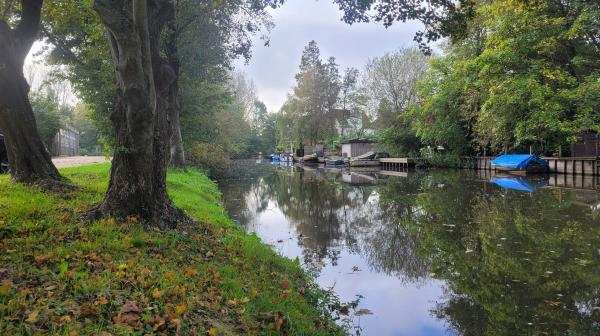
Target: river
(434,253)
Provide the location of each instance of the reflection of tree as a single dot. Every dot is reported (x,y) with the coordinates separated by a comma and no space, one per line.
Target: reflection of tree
(516,262)
(391,240)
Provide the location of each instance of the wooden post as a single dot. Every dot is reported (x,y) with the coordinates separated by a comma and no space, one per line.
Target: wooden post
(559,151)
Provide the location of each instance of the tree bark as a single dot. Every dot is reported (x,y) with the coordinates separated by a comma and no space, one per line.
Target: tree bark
(29,159)
(177,150)
(137,184)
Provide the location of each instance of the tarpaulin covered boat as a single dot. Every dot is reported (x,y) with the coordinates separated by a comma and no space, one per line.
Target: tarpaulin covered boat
(524,163)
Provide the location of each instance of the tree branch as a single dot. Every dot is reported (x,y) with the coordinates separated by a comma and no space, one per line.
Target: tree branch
(27,29)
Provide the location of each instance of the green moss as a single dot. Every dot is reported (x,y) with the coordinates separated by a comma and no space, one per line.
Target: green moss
(58,275)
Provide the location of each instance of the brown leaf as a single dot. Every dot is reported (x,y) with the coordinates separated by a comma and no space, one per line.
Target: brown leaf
(90,310)
(130,307)
(32,317)
(284,283)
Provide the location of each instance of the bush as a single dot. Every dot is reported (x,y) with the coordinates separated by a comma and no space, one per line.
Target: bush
(440,160)
(398,141)
(210,158)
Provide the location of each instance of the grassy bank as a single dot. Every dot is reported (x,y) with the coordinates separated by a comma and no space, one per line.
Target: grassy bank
(63,277)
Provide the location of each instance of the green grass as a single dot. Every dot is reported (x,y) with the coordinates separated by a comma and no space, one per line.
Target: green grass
(60,276)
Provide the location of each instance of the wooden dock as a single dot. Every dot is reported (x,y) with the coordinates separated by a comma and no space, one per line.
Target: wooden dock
(396,163)
(563,165)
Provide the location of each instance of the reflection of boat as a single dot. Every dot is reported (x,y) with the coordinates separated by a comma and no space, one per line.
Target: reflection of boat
(334,162)
(517,183)
(364,163)
(356,179)
(520,164)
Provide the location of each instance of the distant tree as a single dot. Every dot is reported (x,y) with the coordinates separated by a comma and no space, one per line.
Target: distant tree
(48,116)
(311,112)
(390,82)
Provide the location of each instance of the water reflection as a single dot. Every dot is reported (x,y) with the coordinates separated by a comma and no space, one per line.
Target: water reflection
(438,252)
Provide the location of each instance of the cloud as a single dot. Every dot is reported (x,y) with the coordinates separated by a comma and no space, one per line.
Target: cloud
(297,22)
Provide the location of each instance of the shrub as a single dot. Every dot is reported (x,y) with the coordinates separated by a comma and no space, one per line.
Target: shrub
(440,160)
(210,158)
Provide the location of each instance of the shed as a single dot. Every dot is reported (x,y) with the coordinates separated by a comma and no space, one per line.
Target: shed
(355,147)
(66,142)
(587,144)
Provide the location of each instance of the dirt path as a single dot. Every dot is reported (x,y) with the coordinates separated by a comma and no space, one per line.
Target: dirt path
(75,161)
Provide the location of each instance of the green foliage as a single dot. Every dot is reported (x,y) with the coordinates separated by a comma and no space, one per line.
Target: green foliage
(309,115)
(210,158)
(437,159)
(398,141)
(47,115)
(531,80)
(117,277)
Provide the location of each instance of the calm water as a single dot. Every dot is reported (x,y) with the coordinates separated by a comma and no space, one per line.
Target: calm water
(435,253)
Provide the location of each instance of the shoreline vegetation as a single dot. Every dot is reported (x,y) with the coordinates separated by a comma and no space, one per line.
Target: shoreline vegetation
(60,276)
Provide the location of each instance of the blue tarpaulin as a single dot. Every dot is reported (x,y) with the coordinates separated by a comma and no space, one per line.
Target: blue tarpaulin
(518,161)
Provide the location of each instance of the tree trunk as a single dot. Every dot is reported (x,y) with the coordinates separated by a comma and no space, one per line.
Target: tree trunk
(29,160)
(137,184)
(177,151)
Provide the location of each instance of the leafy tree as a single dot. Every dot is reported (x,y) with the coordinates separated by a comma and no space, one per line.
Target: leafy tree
(47,115)
(310,113)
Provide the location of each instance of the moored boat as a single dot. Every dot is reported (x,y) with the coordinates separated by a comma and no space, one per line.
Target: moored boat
(334,162)
(520,164)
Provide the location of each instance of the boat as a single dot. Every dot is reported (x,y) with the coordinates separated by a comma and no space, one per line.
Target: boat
(520,164)
(334,162)
(311,158)
(275,158)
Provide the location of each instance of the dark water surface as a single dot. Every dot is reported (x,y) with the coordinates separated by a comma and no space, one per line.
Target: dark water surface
(435,253)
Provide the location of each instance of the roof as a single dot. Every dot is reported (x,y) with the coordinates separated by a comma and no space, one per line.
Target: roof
(518,161)
(352,141)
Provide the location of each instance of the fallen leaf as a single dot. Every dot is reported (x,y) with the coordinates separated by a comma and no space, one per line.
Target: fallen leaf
(212,331)
(130,307)
(156,293)
(32,317)
(180,309)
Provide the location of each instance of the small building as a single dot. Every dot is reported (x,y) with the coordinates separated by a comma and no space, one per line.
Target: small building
(587,144)
(308,150)
(66,142)
(355,147)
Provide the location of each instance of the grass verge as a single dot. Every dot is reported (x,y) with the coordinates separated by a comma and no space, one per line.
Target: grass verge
(59,276)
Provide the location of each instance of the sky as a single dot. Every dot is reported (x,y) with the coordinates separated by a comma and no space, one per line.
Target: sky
(297,22)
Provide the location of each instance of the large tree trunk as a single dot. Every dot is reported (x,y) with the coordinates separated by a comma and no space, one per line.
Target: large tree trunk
(138,178)
(29,160)
(177,151)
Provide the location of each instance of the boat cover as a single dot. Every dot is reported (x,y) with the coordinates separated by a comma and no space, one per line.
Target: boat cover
(518,161)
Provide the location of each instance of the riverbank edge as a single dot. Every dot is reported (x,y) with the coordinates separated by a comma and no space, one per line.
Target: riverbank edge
(60,276)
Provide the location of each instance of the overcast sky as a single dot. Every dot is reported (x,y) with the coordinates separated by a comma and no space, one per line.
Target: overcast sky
(297,22)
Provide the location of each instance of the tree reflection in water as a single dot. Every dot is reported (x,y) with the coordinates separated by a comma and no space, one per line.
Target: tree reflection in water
(513,263)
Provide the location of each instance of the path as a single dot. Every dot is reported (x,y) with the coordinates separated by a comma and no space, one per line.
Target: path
(75,161)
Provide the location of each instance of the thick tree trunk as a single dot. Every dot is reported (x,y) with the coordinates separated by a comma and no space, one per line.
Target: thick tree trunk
(138,178)
(177,151)
(29,160)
